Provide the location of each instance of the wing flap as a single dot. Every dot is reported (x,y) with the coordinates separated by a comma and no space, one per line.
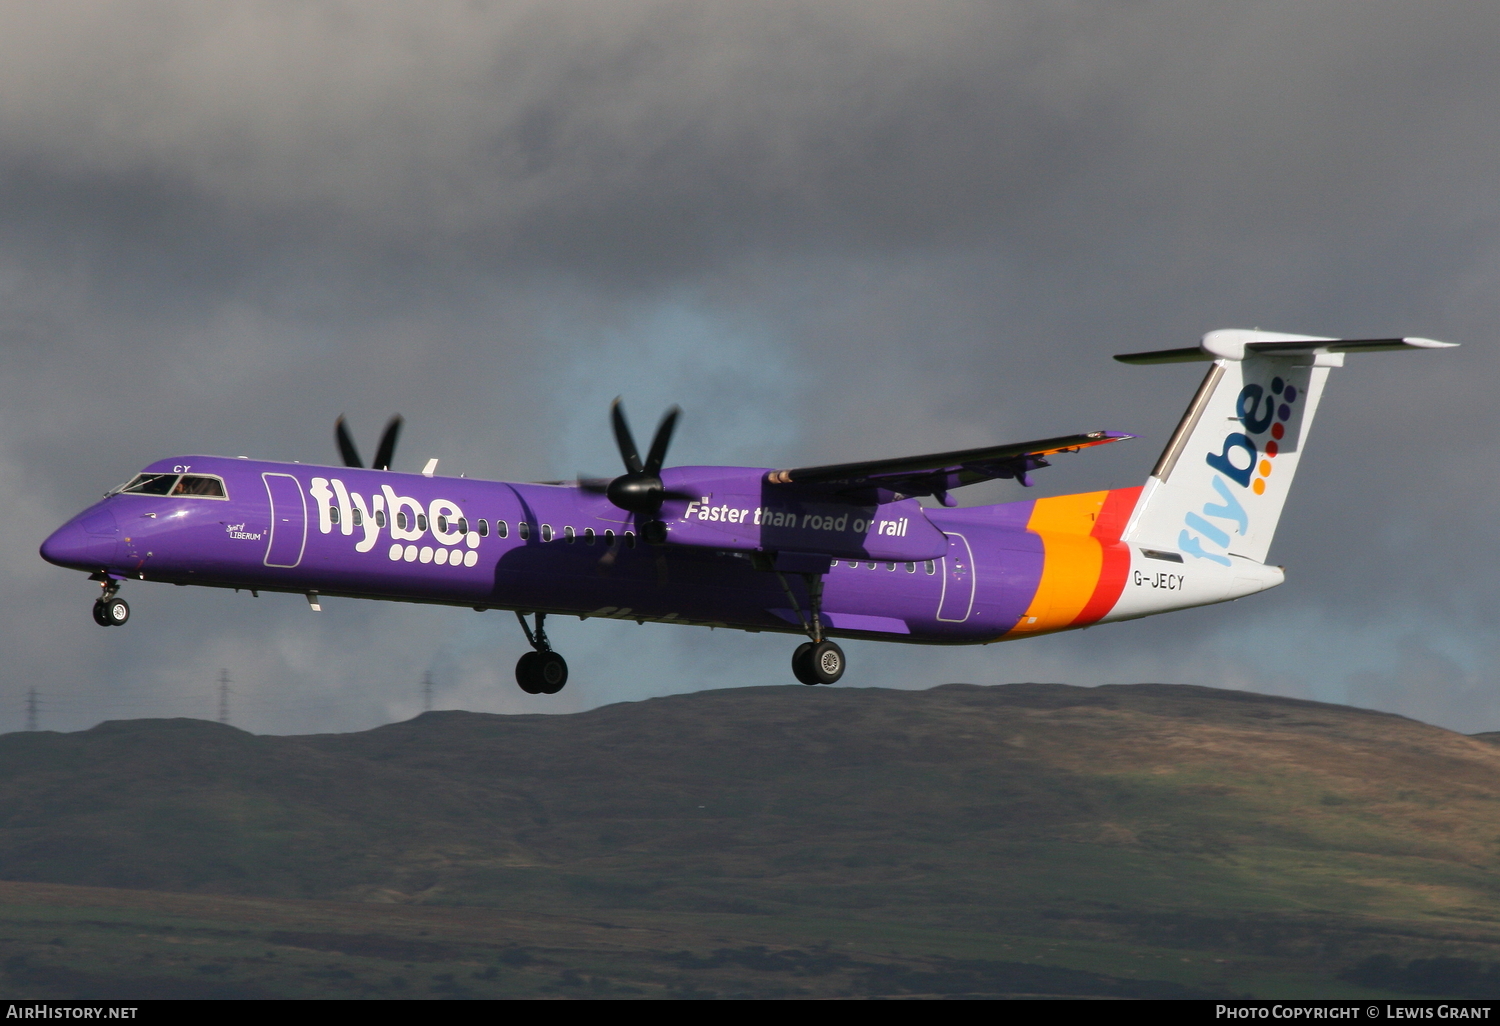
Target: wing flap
(937,473)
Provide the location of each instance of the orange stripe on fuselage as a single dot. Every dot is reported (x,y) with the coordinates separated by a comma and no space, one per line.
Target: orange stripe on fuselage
(1084,564)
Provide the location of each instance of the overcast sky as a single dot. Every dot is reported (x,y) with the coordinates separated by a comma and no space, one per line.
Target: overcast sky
(830,231)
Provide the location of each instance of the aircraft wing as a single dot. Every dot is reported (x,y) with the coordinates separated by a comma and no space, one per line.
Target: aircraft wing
(937,473)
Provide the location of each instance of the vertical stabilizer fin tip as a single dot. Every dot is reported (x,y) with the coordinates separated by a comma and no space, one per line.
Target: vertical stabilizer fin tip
(1237,343)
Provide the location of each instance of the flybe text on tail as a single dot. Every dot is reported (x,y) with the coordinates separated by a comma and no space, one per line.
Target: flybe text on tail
(1245,459)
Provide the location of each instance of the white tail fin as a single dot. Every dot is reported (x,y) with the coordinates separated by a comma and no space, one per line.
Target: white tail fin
(1222,480)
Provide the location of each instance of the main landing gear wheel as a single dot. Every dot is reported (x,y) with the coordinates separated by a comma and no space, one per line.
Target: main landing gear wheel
(526,674)
(111,612)
(540,671)
(818,663)
(801,669)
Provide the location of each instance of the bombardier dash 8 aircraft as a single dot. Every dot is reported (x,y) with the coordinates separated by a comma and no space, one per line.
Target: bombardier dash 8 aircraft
(836,551)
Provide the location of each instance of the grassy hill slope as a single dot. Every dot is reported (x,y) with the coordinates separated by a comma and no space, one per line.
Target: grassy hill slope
(1271,843)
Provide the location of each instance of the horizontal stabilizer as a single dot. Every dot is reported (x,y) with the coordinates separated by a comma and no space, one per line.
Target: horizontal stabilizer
(937,473)
(1237,343)
(1217,492)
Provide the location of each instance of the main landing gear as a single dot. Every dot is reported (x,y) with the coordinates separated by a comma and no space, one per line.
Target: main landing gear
(818,661)
(109,609)
(541,671)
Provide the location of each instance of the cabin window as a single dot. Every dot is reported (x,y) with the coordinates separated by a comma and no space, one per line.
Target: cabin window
(380,518)
(401,519)
(609,537)
(421,521)
(546,532)
(568,534)
(502,529)
(150,484)
(463,525)
(442,524)
(911,568)
(872,566)
(630,539)
(484,528)
(890,566)
(333,514)
(359,518)
(588,536)
(198,484)
(524,530)
(930,568)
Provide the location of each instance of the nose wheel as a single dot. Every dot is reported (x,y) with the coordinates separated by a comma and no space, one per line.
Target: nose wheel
(541,671)
(109,609)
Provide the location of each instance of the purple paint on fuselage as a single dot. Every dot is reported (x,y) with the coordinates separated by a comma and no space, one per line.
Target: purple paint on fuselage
(1008,559)
(231,543)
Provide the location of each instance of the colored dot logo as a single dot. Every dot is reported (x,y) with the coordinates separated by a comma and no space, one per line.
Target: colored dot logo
(1288,394)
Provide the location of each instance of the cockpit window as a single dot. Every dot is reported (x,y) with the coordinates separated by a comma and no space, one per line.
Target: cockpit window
(151,484)
(198,484)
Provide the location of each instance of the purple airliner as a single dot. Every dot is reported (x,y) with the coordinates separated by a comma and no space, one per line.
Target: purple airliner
(834,551)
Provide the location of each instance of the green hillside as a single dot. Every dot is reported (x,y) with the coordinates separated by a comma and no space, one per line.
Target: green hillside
(1172,836)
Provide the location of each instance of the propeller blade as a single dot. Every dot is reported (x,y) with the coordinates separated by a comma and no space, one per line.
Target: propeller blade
(624,438)
(663,439)
(387,444)
(346,444)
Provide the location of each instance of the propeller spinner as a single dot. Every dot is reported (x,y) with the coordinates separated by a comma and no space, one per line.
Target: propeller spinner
(383,452)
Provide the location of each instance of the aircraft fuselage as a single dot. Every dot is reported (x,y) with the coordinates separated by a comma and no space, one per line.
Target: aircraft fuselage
(934,576)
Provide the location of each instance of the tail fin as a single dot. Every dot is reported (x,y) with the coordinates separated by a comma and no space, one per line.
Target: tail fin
(1220,484)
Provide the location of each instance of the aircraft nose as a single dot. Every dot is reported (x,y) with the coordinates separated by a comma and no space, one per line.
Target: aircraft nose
(86,542)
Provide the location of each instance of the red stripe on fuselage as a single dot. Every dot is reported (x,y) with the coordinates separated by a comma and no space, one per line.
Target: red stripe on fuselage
(1116,566)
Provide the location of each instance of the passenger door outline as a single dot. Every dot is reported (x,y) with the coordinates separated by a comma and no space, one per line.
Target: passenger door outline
(957,600)
(288,520)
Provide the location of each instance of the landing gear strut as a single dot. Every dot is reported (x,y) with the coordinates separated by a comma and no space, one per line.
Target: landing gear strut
(110,610)
(818,661)
(540,671)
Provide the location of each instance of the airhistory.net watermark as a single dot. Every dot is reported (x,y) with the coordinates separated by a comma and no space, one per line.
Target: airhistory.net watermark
(46,1011)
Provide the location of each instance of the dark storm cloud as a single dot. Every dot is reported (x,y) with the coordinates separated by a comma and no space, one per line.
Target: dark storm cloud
(830,230)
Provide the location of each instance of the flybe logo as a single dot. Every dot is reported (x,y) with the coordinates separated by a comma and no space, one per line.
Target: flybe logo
(1245,459)
(408,520)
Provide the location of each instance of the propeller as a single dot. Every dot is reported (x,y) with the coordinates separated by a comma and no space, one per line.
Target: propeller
(639,490)
(383,452)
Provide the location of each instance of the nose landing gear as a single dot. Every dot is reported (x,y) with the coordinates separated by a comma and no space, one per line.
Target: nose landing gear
(541,671)
(109,609)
